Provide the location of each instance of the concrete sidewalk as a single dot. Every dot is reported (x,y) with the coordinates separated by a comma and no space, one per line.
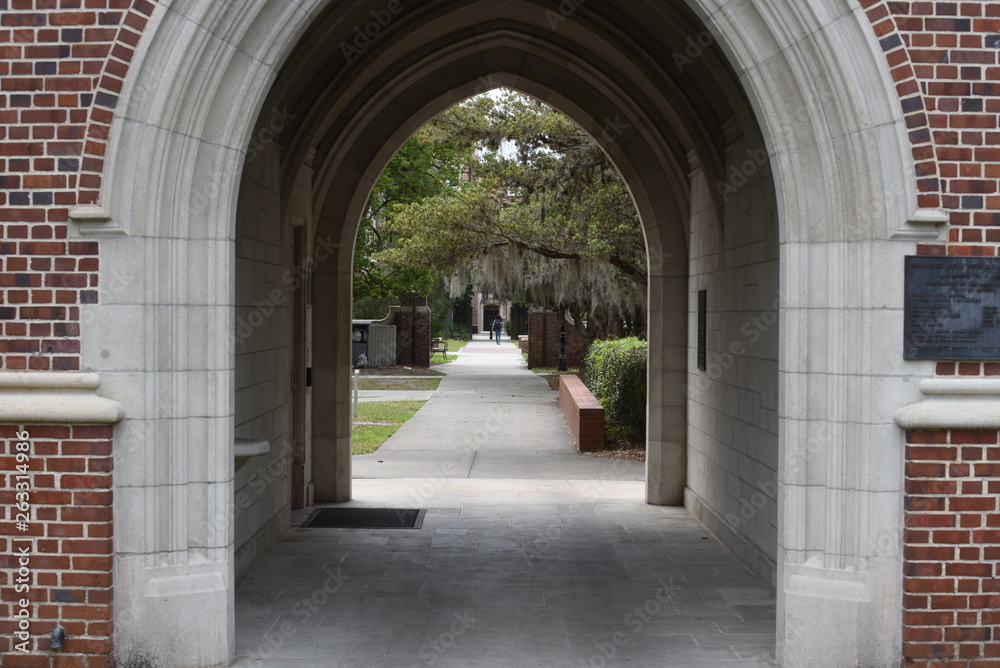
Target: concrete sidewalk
(530,555)
(490,418)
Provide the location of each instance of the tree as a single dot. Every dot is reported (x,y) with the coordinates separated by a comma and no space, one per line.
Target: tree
(542,217)
(426,166)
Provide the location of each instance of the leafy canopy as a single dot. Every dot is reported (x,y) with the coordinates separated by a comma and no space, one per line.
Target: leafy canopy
(504,193)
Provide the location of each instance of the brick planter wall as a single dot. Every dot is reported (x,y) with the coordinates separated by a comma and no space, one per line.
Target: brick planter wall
(951,585)
(583,413)
(62,566)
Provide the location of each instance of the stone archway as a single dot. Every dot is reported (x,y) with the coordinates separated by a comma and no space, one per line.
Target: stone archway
(814,83)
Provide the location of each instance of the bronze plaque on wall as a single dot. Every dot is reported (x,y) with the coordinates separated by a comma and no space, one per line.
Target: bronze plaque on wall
(952,309)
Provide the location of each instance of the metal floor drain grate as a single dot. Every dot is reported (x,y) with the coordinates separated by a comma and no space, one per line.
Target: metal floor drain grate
(365,518)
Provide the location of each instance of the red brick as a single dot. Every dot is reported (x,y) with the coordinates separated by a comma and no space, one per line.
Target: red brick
(85,514)
(970,553)
(86,546)
(931,487)
(66,464)
(92,563)
(71,481)
(101,432)
(988,471)
(928,553)
(64,530)
(86,580)
(945,602)
(986,536)
(925,470)
(85,448)
(937,618)
(25,661)
(95,498)
(977,437)
(925,453)
(980,503)
(929,585)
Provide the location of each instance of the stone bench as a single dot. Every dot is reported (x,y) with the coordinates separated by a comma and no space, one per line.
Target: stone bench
(583,412)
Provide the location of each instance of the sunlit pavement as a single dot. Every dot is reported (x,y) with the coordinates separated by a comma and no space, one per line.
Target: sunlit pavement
(529,555)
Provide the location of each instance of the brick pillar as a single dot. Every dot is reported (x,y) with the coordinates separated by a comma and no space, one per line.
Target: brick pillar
(951,576)
(538,326)
(551,339)
(413,332)
(56,541)
(574,347)
(544,328)
(404,336)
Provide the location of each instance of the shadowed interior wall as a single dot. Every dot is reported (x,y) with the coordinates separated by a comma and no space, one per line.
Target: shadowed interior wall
(263,342)
(733,401)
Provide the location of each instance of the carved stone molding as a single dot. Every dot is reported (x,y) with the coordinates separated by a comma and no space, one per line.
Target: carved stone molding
(954,403)
(55,398)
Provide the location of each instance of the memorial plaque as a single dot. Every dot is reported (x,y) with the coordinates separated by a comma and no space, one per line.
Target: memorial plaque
(952,309)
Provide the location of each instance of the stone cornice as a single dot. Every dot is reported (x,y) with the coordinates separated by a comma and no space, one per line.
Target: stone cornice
(32,397)
(954,403)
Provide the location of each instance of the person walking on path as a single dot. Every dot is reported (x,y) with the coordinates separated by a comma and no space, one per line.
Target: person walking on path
(497,327)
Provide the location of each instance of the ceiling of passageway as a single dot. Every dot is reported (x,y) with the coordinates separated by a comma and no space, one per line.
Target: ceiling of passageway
(641,72)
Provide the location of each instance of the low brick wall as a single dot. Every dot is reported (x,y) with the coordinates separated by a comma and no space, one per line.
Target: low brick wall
(583,412)
(951,549)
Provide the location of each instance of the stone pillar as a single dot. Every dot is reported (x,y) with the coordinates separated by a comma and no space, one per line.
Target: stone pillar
(331,390)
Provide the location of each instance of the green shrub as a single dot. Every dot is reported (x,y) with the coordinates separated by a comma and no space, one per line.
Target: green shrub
(616,374)
(458,333)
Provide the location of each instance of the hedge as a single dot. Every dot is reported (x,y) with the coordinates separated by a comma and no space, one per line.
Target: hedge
(616,373)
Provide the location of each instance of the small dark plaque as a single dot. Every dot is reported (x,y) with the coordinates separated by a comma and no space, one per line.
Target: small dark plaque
(702,329)
(952,308)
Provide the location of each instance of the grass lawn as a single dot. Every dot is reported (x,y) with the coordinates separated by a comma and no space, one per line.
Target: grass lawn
(454,345)
(390,383)
(390,416)
(550,374)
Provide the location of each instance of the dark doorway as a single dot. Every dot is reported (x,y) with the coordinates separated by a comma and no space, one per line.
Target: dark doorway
(490,311)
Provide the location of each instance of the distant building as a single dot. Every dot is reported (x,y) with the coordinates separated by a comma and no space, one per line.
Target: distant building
(486,307)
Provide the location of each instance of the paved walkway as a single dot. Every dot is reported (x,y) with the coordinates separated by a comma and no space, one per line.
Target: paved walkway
(489,418)
(529,555)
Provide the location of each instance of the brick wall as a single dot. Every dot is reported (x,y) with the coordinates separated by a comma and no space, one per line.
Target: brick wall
(943,58)
(952,556)
(62,63)
(583,413)
(66,575)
